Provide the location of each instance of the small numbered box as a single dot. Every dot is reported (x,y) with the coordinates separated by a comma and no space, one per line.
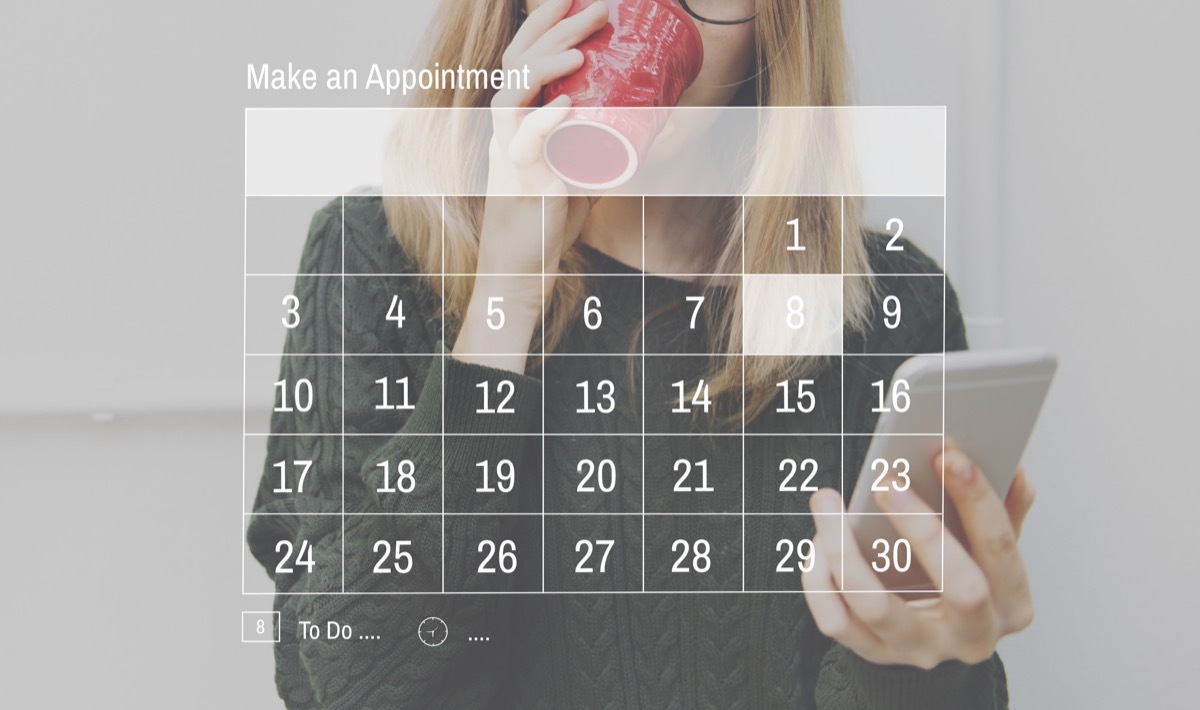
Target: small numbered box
(493,553)
(694,474)
(683,398)
(381,392)
(693,553)
(906,317)
(295,393)
(292,471)
(805,403)
(593,553)
(576,403)
(493,480)
(398,475)
(897,558)
(593,474)
(871,391)
(279,307)
(391,311)
(490,401)
(260,627)
(393,553)
(787,470)
(898,220)
(792,315)
(299,553)
(787,548)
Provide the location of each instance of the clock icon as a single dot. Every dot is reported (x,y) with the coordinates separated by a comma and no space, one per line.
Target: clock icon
(433,631)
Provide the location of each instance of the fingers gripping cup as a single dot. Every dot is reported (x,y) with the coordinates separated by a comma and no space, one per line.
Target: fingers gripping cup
(634,71)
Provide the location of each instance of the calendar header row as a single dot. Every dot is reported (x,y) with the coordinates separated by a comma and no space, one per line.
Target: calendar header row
(756,151)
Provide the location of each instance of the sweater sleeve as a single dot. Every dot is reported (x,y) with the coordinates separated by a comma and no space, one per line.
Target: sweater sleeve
(384,664)
(846,681)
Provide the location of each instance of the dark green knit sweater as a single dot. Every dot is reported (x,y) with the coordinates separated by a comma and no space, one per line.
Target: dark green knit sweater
(720,648)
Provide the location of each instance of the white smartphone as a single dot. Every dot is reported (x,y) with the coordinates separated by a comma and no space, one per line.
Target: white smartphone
(987,402)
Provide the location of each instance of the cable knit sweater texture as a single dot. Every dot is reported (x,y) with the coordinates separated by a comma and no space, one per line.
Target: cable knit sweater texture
(719,649)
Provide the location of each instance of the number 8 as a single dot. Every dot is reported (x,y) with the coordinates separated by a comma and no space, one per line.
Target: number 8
(795,317)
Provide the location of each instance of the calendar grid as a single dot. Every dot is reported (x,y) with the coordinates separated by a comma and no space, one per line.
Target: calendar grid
(644,515)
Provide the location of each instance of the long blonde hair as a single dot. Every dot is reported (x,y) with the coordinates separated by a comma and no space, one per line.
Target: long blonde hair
(800,62)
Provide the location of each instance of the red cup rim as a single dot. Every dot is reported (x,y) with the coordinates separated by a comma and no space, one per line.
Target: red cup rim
(630,168)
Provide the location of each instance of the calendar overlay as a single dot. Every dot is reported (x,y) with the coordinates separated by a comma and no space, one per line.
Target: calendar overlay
(303,161)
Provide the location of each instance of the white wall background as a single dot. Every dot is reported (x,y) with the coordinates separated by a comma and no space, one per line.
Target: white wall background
(1072,146)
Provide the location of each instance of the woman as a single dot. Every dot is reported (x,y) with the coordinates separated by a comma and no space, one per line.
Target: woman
(582,289)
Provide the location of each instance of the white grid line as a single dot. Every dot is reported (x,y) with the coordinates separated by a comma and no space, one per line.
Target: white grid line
(842,361)
(443,364)
(945,327)
(601,514)
(665,275)
(743,402)
(542,366)
(616,435)
(386,356)
(264,195)
(242,544)
(643,339)
(343,339)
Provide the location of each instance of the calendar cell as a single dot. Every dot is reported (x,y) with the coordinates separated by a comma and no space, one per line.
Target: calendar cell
(908,464)
(809,402)
(786,549)
(683,322)
(600,320)
(909,309)
(294,399)
(899,220)
(399,554)
(593,553)
(697,553)
(500,553)
(787,470)
(796,244)
(894,557)
(293,471)
(484,481)
(489,400)
(500,303)
(593,474)
(394,479)
(792,315)
(683,398)
(381,391)
(279,307)
(911,408)
(306,554)
(520,236)
(706,479)
(392,314)
(602,404)
(716,217)
(275,229)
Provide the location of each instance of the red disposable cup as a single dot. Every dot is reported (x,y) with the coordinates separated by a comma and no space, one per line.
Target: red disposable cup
(634,70)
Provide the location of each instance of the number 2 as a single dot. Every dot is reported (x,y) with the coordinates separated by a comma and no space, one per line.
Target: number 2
(898,225)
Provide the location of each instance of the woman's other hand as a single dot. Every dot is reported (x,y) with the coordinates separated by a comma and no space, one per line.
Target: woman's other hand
(985,591)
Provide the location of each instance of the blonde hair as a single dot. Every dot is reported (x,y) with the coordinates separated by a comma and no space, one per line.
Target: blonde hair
(800,62)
